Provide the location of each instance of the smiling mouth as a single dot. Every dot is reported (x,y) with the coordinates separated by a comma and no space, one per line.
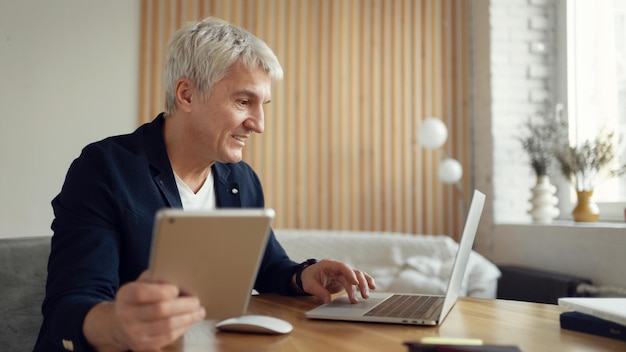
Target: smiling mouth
(240,138)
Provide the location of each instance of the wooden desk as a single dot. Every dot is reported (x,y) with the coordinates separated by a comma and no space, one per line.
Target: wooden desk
(530,326)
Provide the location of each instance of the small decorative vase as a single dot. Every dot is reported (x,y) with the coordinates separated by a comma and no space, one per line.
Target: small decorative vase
(543,201)
(586,209)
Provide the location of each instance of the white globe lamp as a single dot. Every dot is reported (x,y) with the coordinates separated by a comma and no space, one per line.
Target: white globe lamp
(450,171)
(432,133)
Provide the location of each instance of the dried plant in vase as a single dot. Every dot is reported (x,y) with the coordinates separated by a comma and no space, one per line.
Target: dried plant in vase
(540,137)
(538,141)
(582,164)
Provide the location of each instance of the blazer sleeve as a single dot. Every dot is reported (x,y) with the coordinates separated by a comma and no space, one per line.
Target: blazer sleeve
(84,257)
(102,235)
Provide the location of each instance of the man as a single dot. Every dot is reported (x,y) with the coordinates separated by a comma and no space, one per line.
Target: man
(98,296)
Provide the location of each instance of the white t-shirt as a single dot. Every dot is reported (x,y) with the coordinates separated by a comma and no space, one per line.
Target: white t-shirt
(203,200)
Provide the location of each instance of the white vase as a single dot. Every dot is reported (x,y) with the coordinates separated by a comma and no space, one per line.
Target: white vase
(544,202)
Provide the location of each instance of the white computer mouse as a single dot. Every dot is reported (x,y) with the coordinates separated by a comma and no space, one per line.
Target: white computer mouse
(259,324)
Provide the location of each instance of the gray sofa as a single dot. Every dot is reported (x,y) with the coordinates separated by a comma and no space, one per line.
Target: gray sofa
(23,274)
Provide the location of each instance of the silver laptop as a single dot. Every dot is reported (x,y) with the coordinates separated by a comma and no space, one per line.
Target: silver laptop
(414,309)
(607,308)
(214,255)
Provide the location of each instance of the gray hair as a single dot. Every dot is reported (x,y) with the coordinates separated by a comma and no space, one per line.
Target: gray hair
(204,51)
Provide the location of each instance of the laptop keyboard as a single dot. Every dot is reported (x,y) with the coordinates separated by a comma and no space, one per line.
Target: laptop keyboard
(407,306)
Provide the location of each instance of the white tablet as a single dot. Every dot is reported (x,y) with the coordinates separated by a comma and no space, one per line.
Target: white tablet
(214,255)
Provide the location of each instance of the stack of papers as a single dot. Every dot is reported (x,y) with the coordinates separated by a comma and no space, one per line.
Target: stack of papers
(598,316)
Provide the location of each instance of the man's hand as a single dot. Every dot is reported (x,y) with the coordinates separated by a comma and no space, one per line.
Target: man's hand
(331,276)
(144,316)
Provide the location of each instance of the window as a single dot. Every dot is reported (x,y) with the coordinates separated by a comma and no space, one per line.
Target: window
(595,88)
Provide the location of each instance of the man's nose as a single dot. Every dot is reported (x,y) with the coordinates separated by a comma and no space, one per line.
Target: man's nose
(256,121)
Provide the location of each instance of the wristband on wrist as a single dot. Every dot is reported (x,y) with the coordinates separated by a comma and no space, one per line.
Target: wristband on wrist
(301,268)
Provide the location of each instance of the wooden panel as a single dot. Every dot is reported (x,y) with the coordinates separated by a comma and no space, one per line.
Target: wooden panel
(339,151)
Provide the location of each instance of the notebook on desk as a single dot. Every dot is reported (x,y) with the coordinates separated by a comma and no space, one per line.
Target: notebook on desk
(612,309)
(214,255)
(404,308)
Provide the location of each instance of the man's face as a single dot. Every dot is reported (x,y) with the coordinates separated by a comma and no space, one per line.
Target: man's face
(221,123)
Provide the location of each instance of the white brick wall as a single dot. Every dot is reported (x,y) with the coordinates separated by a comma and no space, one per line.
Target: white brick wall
(512,67)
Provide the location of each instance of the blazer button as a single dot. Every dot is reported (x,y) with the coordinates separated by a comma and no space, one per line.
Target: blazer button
(235,190)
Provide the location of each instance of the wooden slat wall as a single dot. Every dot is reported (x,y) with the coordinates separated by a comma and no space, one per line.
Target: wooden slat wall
(339,151)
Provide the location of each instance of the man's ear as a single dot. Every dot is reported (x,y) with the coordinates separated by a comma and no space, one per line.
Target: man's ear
(184,94)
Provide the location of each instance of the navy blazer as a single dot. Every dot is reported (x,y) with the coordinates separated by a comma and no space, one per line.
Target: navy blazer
(103,223)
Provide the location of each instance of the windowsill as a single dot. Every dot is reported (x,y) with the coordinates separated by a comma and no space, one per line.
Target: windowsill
(571,223)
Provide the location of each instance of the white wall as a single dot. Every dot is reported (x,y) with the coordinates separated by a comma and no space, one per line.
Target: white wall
(68,76)
(521,82)
(511,81)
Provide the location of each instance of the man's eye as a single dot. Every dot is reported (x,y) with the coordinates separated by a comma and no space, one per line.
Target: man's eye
(243,102)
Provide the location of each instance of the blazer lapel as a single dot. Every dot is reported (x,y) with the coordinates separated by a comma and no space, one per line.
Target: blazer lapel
(160,166)
(227,193)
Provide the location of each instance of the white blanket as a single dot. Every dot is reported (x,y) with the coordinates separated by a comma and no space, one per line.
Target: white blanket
(398,262)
